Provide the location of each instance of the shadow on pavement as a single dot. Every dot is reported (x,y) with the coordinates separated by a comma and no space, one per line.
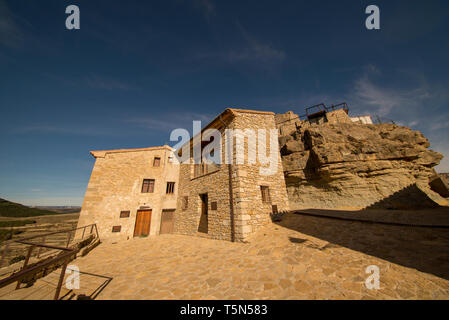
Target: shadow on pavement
(423,248)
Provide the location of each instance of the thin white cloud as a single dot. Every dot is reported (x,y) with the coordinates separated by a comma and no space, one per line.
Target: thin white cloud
(61,129)
(171,121)
(10,32)
(439,125)
(442,146)
(254,50)
(384,100)
(108,83)
(247,50)
(207,7)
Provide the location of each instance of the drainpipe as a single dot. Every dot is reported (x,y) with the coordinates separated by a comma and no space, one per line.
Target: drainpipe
(231,194)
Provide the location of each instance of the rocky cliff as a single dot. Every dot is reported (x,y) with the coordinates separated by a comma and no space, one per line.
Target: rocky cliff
(334,164)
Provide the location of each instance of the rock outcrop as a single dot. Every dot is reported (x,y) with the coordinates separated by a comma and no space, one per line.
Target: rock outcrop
(331,164)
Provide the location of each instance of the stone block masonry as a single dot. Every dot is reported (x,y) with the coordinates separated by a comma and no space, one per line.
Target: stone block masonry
(247,212)
(115,186)
(330,162)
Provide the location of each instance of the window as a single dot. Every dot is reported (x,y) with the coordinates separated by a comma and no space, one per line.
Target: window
(201,169)
(157,162)
(116,228)
(124,214)
(213,205)
(170,187)
(148,186)
(185,202)
(265,194)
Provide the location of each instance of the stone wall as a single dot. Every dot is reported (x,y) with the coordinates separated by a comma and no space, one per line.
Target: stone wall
(115,185)
(216,185)
(249,211)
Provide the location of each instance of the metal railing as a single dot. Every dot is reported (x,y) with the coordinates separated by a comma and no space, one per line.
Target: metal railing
(66,255)
(317,111)
(381,120)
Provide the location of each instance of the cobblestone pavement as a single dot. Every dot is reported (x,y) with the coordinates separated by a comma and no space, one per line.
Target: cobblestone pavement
(301,257)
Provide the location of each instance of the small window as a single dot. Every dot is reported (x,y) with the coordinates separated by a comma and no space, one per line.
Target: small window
(265,194)
(185,202)
(157,162)
(116,228)
(124,214)
(213,205)
(170,187)
(148,186)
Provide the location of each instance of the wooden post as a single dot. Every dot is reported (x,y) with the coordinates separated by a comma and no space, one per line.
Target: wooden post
(68,239)
(4,253)
(96,230)
(91,229)
(30,250)
(61,279)
(40,248)
(84,230)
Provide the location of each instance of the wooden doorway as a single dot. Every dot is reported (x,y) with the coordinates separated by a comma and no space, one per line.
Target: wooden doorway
(167,221)
(143,222)
(203,226)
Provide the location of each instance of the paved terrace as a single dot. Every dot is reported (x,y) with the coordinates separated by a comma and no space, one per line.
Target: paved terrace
(301,257)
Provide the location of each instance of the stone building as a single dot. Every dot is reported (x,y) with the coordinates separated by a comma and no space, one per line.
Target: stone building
(137,192)
(328,160)
(131,192)
(231,201)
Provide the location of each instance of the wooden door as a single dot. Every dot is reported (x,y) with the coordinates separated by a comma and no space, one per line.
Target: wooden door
(143,222)
(203,226)
(167,221)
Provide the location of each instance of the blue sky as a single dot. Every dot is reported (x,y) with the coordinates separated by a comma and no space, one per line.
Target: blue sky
(137,69)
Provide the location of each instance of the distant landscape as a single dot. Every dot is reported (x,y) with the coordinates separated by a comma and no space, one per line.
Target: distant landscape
(15,210)
(17,220)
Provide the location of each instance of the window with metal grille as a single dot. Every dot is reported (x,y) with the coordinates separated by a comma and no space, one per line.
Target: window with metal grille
(170,187)
(265,194)
(185,203)
(157,162)
(148,186)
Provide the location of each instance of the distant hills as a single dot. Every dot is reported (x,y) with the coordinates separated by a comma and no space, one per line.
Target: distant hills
(16,210)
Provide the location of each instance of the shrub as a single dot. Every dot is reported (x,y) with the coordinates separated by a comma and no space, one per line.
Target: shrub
(17,259)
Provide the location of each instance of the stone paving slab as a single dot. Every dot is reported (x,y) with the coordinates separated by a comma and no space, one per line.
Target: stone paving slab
(301,257)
